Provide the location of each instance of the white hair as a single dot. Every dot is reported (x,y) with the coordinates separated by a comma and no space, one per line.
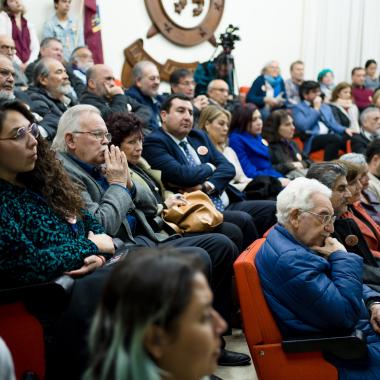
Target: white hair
(297,195)
(356,158)
(70,122)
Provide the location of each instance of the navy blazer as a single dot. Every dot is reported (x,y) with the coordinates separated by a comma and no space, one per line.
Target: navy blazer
(162,153)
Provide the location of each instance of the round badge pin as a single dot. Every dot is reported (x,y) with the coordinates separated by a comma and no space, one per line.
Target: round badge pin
(202,150)
(299,157)
(265,142)
(351,240)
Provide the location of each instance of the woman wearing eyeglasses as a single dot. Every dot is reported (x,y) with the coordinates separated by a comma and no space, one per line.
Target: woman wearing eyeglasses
(44,232)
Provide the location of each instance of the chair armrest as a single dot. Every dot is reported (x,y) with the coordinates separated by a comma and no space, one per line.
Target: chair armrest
(348,347)
(56,292)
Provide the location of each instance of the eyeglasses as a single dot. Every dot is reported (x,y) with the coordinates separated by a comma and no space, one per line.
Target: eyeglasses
(7,73)
(99,135)
(23,131)
(11,48)
(325,219)
(187,83)
(221,89)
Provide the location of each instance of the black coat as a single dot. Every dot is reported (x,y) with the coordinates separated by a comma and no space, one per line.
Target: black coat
(359,143)
(282,155)
(48,108)
(371,269)
(119,103)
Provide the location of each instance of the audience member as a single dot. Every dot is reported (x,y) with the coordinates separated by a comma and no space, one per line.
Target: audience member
(326,83)
(367,199)
(182,82)
(219,68)
(368,227)
(8,48)
(369,126)
(345,112)
(371,77)
(50,94)
(81,61)
(103,93)
(45,233)
(189,161)
(323,291)
(7,91)
(284,153)
(155,321)
(120,205)
(217,92)
(14,24)
(251,149)
(53,48)
(146,80)
(346,230)
(362,96)
(216,121)
(64,28)
(268,90)
(317,125)
(292,85)
(373,160)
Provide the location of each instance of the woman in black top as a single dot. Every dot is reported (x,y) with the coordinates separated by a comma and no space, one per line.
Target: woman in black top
(284,153)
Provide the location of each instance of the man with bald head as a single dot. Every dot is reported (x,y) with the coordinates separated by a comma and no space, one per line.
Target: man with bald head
(51,94)
(8,48)
(104,94)
(146,79)
(217,92)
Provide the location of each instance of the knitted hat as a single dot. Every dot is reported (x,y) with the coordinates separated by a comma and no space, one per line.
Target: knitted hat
(323,74)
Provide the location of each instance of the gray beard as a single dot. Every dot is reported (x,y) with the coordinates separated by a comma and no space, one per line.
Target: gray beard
(6,95)
(65,89)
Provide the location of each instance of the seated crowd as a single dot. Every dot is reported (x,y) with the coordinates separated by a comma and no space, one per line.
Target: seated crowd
(89,172)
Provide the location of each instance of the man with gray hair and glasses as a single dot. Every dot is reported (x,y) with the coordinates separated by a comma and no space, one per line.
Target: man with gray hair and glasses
(311,283)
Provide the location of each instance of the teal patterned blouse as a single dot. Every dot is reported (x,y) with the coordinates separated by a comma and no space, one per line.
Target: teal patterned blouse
(36,244)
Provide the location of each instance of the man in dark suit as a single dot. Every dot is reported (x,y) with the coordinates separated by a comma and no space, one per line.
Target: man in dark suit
(369,126)
(189,161)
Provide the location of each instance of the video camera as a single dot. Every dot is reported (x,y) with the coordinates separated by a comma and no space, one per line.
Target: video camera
(228,38)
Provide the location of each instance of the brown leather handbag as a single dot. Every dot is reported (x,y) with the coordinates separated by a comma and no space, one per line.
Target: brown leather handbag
(198,215)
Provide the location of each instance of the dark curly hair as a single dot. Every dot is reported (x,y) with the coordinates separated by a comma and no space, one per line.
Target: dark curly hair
(48,176)
(122,125)
(241,117)
(272,124)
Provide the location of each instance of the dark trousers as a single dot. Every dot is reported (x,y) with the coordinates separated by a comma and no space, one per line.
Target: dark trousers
(263,214)
(331,143)
(67,335)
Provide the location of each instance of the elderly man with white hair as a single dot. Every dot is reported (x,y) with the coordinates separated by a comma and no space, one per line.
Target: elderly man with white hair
(311,283)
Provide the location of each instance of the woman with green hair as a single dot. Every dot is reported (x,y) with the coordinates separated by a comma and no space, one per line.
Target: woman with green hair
(155,321)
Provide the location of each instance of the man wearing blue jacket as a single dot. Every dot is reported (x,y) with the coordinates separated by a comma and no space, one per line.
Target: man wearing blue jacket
(316,122)
(311,283)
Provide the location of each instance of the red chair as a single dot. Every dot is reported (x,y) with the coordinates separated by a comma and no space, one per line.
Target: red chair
(263,337)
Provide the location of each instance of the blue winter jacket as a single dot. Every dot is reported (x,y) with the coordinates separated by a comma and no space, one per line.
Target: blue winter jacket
(309,294)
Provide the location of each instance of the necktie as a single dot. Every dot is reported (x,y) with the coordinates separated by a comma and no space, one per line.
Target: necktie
(215,198)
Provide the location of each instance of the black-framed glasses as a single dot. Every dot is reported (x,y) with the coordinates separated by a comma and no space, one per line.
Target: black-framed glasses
(23,131)
(325,219)
(8,47)
(99,135)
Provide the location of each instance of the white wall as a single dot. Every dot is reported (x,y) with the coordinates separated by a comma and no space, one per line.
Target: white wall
(324,33)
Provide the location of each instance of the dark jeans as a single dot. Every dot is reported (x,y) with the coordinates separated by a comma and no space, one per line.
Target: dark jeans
(330,143)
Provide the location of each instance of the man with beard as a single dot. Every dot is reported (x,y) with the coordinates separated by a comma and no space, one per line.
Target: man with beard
(103,93)
(7,82)
(346,231)
(50,93)
(80,61)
